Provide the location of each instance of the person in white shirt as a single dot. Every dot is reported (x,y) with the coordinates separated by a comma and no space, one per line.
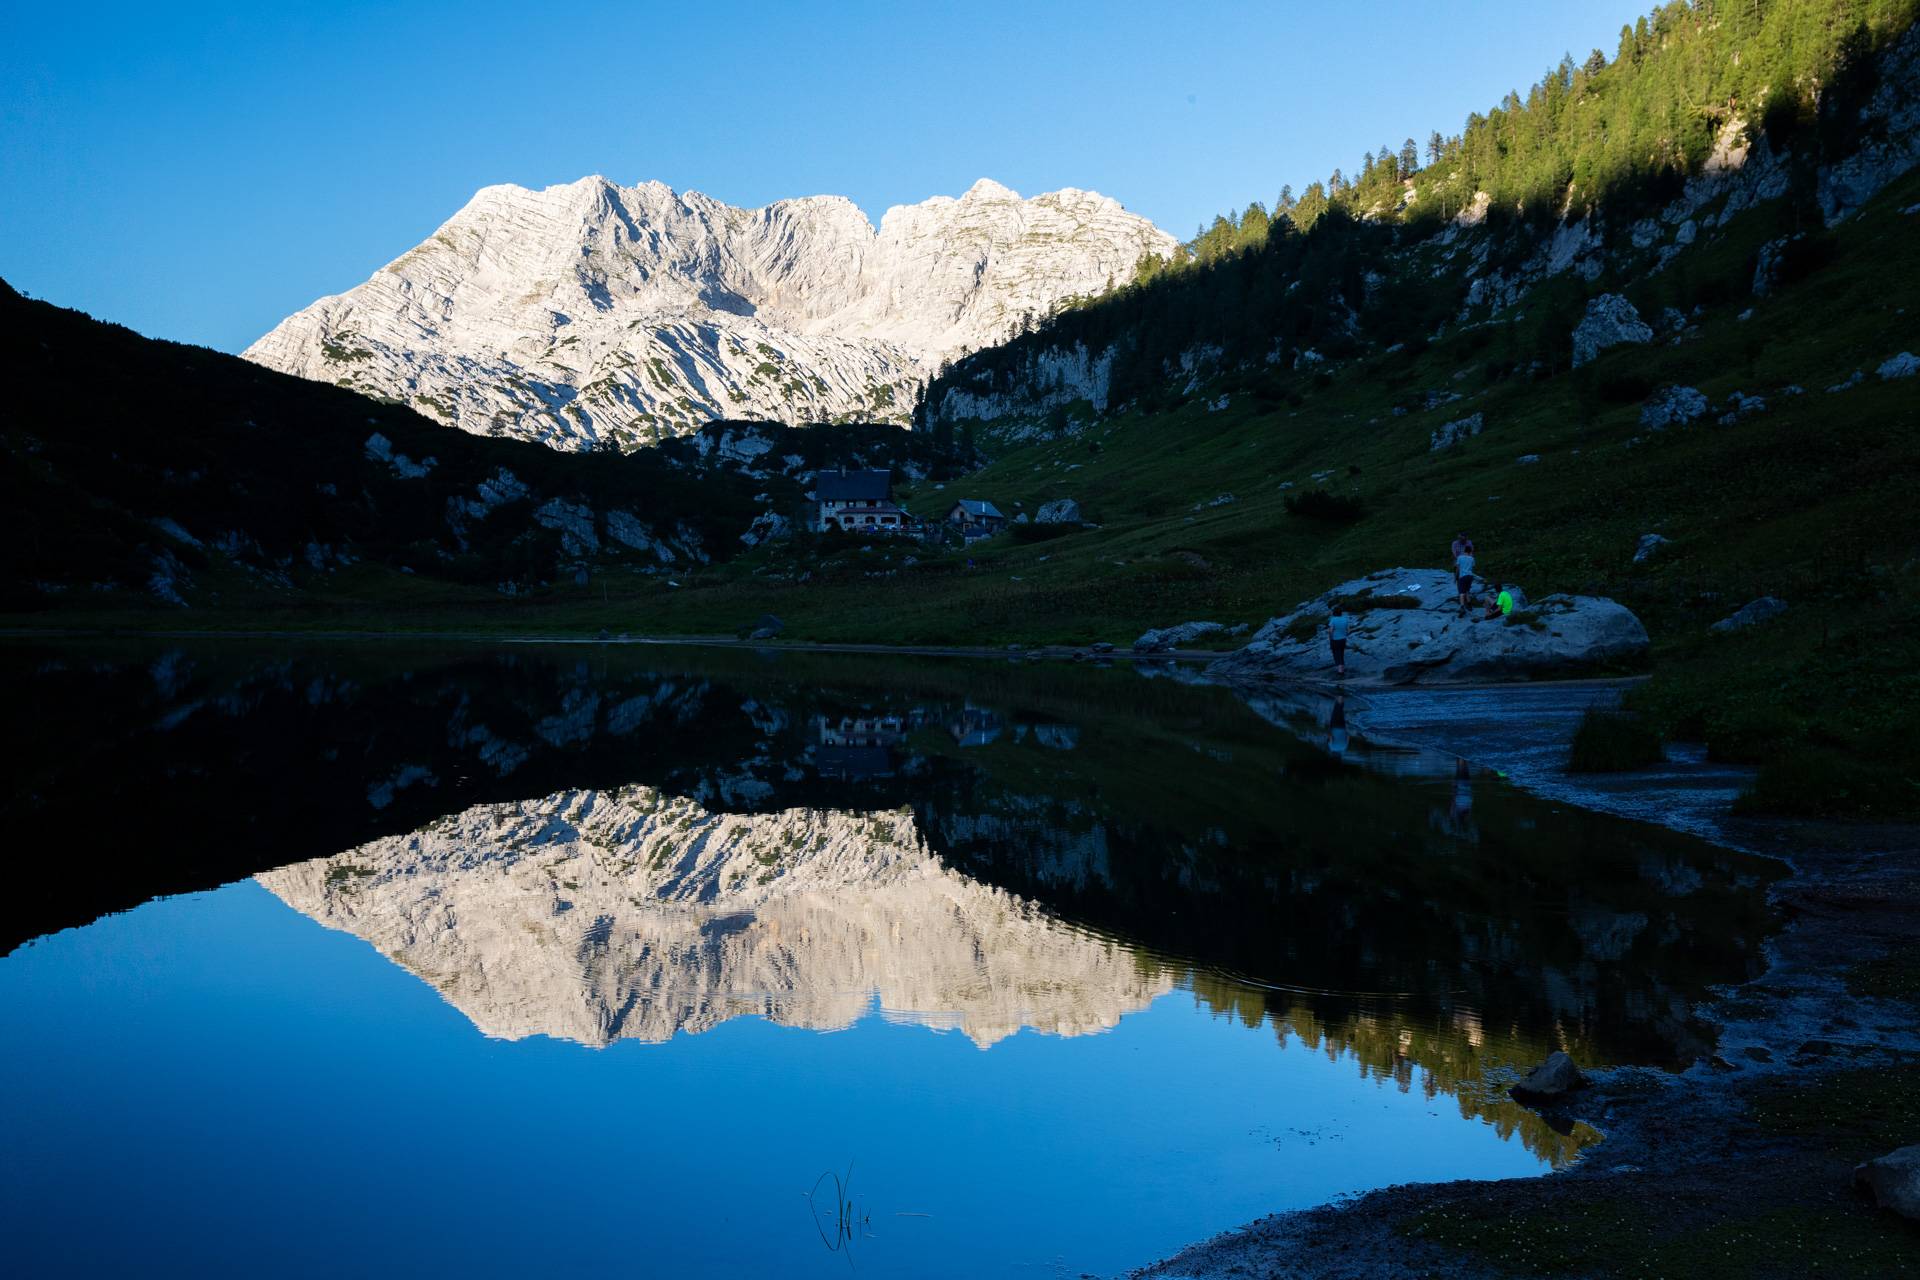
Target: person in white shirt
(1338,627)
(1463,578)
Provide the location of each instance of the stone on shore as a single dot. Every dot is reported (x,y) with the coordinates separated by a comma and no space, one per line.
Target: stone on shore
(1650,544)
(1176,637)
(1407,627)
(1059,511)
(1893,1180)
(1554,1078)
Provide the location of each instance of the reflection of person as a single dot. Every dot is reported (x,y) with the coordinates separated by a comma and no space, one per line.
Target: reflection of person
(1462,792)
(1337,725)
(1338,627)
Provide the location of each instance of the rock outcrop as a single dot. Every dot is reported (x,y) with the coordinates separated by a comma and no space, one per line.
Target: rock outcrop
(1407,627)
(1611,321)
(1180,636)
(1752,614)
(591,313)
(1673,407)
(598,916)
(1059,511)
(1554,1078)
(1893,1180)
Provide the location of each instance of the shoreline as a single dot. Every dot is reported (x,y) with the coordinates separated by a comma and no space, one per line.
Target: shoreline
(1696,1167)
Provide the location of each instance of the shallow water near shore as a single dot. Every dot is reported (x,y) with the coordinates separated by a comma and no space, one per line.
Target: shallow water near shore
(378,959)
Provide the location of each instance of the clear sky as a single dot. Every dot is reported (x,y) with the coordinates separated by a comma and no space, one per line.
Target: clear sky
(199,171)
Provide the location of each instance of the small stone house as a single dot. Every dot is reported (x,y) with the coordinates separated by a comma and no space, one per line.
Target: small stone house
(858,502)
(975,518)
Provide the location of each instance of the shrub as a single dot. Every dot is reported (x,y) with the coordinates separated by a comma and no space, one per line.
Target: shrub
(1624,388)
(1331,508)
(1041,532)
(1304,628)
(1809,781)
(1613,742)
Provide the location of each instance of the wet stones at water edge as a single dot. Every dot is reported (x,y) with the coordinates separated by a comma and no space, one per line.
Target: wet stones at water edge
(1893,1181)
(1554,1078)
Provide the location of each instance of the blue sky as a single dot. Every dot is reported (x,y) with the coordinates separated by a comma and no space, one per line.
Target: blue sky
(199,174)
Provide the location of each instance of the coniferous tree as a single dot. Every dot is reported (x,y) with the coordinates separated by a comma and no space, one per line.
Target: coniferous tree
(1409,158)
(1596,63)
(1436,147)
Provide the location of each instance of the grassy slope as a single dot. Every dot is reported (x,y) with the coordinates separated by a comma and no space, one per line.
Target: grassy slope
(1810,501)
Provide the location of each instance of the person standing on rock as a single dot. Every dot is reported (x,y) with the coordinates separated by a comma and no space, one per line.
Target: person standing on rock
(1338,627)
(1463,576)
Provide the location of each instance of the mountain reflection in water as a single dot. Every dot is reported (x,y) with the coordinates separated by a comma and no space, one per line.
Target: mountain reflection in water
(606,844)
(597,916)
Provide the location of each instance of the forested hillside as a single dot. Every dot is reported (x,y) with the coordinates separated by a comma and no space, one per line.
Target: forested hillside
(1351,264)
(139,475)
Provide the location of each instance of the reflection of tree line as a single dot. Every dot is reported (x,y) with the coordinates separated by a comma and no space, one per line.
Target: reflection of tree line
(1195,831)
(1445,1052)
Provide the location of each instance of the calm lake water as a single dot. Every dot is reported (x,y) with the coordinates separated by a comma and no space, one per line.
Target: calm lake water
(373,960)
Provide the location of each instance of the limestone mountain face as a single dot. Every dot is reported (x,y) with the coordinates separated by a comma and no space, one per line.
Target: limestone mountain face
(597,916)
(591,313)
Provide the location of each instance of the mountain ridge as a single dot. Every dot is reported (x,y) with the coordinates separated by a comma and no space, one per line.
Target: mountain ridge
(588,314)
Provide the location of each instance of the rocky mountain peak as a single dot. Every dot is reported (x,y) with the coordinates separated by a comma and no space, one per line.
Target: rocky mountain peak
(589,312)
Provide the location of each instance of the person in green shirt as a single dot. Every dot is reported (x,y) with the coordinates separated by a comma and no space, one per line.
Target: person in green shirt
(1500,603)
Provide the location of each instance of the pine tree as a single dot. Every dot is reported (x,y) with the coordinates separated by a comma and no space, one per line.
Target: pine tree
(1596,63)
(1409,158)
(1436,147)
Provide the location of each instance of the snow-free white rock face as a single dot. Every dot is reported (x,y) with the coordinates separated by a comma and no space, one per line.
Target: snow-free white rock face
(594,313)
(597,916)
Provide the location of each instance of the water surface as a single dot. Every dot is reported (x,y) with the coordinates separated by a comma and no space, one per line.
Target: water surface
(542,958)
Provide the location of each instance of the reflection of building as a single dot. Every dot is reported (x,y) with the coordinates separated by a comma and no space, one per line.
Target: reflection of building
(859,746)
(973,726)
(858,501)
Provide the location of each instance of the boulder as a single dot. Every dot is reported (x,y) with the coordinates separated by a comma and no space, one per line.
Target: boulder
(1611,321)
(1904,365)
(1452,433)
(1175,637)
(767,626)
(1059,511)
(1766,265)
(1765,609)
(1407,627)
(1554,1078)
(1741,405)
(1893,1180)
(1673,407)
(1650,544)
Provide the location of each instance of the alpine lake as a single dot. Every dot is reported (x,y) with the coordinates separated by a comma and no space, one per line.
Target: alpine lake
(396,958)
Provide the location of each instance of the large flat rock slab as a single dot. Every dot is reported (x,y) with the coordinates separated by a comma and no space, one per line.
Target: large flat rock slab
(1408,628)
